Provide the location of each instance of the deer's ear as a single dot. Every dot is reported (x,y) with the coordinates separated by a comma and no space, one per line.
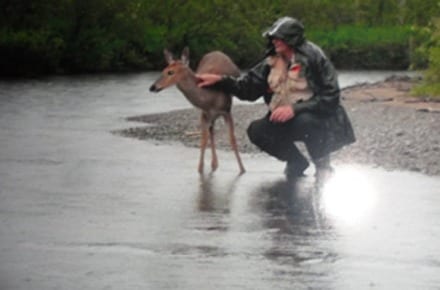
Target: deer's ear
(168,56)
(185,56)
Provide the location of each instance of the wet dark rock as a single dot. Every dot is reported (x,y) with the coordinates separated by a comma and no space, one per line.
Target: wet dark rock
(400,78)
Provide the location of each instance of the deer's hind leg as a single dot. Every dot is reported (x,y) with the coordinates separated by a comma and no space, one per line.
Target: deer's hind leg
(214,160)
(230,122)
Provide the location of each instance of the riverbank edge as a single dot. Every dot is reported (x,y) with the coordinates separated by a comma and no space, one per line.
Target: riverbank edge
(393,129)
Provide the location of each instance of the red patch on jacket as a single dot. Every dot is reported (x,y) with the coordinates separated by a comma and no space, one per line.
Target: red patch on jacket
(295,68)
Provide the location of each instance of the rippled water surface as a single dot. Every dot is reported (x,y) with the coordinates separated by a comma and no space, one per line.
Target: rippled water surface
(81,208)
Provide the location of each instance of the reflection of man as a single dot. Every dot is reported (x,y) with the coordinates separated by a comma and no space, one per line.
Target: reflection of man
(319,121)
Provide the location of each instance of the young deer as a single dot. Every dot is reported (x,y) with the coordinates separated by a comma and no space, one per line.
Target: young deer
(212,103)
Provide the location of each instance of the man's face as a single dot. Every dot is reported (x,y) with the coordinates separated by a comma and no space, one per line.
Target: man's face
(281,47)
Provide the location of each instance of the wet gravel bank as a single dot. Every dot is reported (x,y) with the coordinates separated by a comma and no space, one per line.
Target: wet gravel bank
(392,137)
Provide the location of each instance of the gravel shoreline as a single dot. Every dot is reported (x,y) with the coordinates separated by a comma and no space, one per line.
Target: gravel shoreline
(389,135)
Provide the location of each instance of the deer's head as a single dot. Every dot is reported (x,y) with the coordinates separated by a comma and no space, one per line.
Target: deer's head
(174,71)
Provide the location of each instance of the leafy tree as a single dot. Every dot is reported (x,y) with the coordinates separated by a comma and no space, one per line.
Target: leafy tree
(431,82)
(47,36)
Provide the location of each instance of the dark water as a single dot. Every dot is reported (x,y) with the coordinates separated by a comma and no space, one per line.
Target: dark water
(81,208)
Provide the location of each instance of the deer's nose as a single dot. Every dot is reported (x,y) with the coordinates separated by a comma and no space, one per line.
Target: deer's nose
(153,88)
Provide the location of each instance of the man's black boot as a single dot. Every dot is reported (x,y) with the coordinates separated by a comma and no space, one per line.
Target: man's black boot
(322,167)
(296,168)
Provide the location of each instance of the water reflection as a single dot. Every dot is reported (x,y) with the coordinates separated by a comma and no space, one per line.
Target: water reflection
(215,193)
(213,202)
(294,206)
(348,196)
(206,193)
(301,238)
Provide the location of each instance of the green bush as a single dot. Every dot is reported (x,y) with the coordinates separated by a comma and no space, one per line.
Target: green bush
(431,79)
(365,47)
(50,36)
(419,46)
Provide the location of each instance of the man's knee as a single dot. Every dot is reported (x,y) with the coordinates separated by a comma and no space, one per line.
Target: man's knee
(306,119)
(261,132)
(253,132)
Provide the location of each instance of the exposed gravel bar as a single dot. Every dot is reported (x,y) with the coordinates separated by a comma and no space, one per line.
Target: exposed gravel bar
(393,131)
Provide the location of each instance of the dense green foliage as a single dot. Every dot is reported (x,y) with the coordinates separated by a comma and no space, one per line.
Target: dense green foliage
(52,36)
(431,82)
(379,47)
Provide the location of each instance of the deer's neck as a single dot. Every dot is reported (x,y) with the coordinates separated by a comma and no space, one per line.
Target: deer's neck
(188,86)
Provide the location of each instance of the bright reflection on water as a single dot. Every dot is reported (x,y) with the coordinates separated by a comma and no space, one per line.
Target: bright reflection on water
(348,196)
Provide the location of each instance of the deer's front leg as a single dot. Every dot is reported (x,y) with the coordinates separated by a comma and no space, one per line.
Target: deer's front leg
(230,122)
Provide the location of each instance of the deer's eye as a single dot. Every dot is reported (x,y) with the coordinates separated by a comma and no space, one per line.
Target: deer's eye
(170,72)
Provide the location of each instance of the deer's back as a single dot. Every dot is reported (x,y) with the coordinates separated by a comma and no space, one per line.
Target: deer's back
(217,62)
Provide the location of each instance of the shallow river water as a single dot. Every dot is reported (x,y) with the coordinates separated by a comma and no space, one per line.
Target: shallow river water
(82,208)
